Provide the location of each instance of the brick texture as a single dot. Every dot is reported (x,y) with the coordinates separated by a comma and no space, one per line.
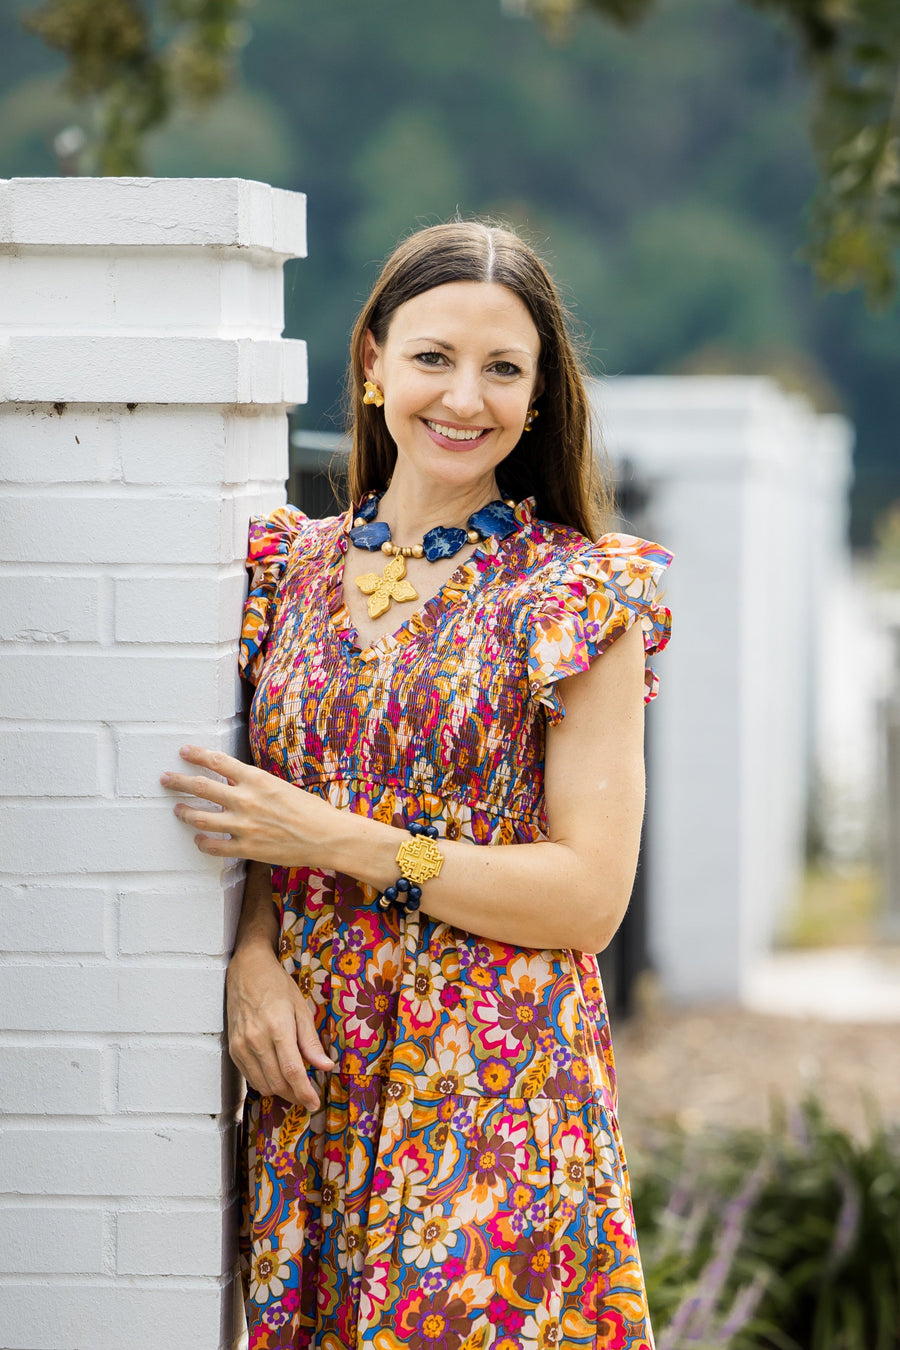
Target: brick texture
(53,919)
(143,394)
(58,1241)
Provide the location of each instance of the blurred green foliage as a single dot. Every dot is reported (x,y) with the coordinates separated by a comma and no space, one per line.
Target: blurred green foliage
(855,218)
(852,50)
(785,1240)
(665,173)
(136,64)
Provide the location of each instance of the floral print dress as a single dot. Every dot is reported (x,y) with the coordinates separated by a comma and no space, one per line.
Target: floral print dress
(462,1185)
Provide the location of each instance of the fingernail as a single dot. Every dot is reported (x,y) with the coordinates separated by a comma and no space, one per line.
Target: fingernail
(185,751)
(165,779)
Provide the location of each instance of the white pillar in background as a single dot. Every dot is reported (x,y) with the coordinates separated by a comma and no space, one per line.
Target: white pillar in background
(144,384)
(847,654)
(739,492)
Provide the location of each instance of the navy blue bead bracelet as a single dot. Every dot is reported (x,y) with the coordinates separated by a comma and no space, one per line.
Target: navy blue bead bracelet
(419,858)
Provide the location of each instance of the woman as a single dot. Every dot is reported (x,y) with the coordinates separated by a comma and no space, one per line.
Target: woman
(431,1156)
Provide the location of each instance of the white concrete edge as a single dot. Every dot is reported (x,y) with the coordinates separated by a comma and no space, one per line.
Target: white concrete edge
(127,368)
(833,984)
(122,212)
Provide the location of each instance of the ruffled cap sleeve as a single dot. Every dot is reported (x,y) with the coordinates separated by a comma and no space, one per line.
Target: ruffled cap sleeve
(603,591)
(271,540)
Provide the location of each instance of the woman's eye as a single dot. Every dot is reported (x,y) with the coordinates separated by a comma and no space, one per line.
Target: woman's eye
(430,358)
(506,368)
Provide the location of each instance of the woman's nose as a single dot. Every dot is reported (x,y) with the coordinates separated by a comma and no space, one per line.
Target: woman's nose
(463,396)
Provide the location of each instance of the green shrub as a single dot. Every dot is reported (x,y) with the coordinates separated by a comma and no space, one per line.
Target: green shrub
(785,1240)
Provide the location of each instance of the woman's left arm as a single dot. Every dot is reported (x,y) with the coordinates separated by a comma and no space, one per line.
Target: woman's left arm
(570,890)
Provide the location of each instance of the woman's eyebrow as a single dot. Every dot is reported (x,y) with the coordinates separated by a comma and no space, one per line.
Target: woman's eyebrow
(448,347)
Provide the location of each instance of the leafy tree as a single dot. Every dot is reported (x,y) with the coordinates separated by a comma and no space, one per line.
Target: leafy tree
(853,51)
(136,73)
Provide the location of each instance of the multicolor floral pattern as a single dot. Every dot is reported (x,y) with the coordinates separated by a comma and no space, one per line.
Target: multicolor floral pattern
(463,1183)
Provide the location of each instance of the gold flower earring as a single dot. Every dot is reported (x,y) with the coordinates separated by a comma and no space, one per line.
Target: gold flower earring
(531,414)
(373,394)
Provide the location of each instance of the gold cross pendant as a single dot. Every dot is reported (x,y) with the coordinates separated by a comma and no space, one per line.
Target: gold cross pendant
(381,590)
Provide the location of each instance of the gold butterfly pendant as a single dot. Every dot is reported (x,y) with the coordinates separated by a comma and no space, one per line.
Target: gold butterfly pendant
(382,590)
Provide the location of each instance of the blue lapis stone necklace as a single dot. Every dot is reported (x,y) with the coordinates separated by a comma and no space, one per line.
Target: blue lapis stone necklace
(498,518)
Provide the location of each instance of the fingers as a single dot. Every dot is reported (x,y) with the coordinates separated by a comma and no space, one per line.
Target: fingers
(308,1041)
(220,822)
(212,790)
(209,789)
(226,765)
(276,1070)
(219,848)
(292,1070)
(264,1039)
(250,1069)
(266,818)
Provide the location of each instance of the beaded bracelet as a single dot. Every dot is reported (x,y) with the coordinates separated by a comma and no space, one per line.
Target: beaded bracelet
(419,860)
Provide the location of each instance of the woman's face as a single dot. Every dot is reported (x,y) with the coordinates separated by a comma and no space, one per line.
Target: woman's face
(459,369)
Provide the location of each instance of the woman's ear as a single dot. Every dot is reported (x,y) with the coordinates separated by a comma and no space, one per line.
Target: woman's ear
(370,355)
(538,386)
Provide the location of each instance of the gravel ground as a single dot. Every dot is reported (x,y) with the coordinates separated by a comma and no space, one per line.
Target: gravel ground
(723,1065)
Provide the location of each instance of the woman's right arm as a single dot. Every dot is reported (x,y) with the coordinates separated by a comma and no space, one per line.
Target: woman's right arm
(271,1035)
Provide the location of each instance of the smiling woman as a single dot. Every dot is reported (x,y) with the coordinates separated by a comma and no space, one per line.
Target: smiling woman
(439,844)
(482,371)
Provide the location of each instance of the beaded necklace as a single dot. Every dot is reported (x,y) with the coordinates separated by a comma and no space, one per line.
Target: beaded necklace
(498,518)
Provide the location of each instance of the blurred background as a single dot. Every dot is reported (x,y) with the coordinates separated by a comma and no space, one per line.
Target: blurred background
(665,171)
(716,186)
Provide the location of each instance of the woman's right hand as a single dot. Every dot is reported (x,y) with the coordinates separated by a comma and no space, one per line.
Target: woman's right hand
(271,1034)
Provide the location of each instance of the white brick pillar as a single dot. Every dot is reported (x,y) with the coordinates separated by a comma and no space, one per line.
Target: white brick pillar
(144,385)
(732,466)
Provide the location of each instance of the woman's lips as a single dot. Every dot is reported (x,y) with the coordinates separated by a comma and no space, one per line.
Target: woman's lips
(454,442)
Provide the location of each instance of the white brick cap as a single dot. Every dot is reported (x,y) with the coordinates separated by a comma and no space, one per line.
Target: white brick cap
(125,369)
(198,212)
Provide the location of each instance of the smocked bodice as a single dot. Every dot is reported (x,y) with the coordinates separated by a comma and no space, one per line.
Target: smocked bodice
(455,703)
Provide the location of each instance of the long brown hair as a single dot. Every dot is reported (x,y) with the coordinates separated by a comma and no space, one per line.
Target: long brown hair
(555,462)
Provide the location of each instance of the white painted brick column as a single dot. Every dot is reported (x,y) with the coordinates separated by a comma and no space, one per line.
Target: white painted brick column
(733,467)
(144,384)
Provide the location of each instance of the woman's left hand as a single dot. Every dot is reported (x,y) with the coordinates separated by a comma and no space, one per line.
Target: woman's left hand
(267,819)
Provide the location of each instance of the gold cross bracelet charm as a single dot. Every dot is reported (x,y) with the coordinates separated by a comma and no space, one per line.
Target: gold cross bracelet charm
(420,859)
(390,586)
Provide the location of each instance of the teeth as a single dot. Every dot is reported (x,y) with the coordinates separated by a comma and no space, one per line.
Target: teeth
(453,434)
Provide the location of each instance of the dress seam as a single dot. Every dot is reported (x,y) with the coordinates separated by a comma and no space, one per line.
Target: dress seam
(416,789)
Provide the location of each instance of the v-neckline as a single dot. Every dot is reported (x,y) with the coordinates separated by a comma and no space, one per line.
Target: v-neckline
(456,589)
